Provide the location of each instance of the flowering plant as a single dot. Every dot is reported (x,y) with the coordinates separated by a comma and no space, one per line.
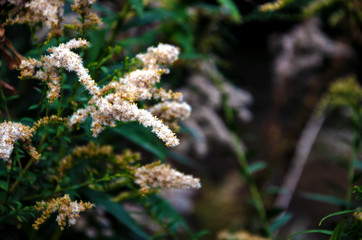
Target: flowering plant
(60,149)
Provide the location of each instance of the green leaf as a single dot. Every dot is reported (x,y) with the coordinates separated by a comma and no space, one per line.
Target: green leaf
(256,166)
(232,9)
(338,231)
(339,213)
(280,221)
(98,37)
(13,97)
(104,69)
(325,198)
(326,232)
(183,160)
(142,137)
(162,210)
(200,234)
(4,185)
(137,4)
(358,164)
(33,107)
(117,211)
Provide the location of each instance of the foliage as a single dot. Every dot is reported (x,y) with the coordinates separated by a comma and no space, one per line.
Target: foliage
(86,122)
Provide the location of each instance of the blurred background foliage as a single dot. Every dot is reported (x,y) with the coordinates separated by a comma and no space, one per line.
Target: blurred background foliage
(272,155)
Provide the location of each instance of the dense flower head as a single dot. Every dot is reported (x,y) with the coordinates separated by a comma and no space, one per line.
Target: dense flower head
(68,211)
(60,57)
(169,110)
(11,132)
(154,176)
(50,12)
(120,104)
(162,54)
(115,101)
(239,235)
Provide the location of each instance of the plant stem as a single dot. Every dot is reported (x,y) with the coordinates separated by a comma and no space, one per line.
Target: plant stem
(116,27)
(8,183)
(5,104)
(239,152)
(147,207)
(26,168)
(357,122)
(254,191)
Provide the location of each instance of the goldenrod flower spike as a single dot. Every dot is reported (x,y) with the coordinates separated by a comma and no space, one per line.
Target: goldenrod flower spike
(153,176)
(11,132)
(68,211)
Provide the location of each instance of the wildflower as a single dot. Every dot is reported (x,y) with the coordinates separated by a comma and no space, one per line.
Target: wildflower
(162,54)
(60,57)
(49,12)
(162,176)
(343,92)
(89,151)
(358,214)
(82,7)
(135,86)
(273,6)
(11,132)
(170,110)
(67,210)
(239,235)
(119,105)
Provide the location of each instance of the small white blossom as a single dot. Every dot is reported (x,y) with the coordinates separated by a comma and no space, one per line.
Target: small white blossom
(164,177)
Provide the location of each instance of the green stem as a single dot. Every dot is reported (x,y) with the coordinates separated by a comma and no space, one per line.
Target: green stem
(26,168)
(254,191)
(357,120)
(148,209)
(5,104)
(8,183)
(239,152)
(116,27)
(59,189)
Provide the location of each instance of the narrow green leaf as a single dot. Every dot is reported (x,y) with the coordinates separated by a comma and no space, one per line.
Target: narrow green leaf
(104,69)
(280,221)
(326,232)
(33,107)
(325,198)
(13,97)
(338,231)
(98,37)
(137,4)
(4,185)
(358,164)
(200,234)
(163,210)
(117,211)
(256,166)
(338,213)
(143,137)
(232,9)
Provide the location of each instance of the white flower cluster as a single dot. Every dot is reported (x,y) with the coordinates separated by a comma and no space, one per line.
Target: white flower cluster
(169,110)
(119,105)
(60,57)
(11,132)
(162,54)
(164,177)
(66,210)
(50,12)
(115,101)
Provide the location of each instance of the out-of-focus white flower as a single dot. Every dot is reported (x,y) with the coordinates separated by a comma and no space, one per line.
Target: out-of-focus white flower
(164,177)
